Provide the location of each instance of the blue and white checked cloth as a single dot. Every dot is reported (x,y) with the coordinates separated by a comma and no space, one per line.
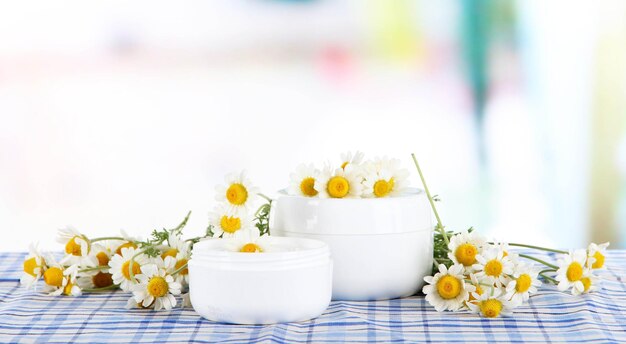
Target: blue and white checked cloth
(550,316)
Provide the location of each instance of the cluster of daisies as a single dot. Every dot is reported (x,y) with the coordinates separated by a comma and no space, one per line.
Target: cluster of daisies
(491,280)
(353,177)
(153,270)
(155,275)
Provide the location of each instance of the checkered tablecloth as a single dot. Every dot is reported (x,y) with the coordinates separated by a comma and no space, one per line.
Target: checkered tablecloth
(550,316)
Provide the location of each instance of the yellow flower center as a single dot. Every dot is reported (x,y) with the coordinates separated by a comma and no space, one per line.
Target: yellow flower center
(586,283)
(382,188)
(493,268)
(157,286)
(523,283)
(307,187)
(466,254)
(179,264)
(491,308)
(338,187)
(68,288)
(125,245)
(102,279)
(103,258)
(599,263)
(448,287)
(30,265)
(172,252)
(53,277)
(126,269)
(230,224)
(73,248)
(574,272)
(251,248)
(237,194)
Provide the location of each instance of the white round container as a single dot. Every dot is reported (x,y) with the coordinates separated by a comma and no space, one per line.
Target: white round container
(382,247)
(290,282)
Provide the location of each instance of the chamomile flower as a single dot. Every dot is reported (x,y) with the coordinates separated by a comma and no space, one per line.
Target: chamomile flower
(493,267)
(478,286)
(120,267)
(77,246)
(303,181)
(589,283)
(349,159)
(129,241)
(507,252)
(60,280)
(238,192)
(99,255)
(596,254)
(491,304)
(339,183)
(180,250)
(94,279)
(71,287)
(447,290)
(34,266)
(384,177)
(523,282)
(250,242)
(156,284)
(571,270)
(464,247)
(228,223)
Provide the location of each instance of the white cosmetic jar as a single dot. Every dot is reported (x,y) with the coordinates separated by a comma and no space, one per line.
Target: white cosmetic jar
(290,281)
(382,247)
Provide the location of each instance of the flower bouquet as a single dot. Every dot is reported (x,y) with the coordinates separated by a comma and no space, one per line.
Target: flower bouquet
(468,272)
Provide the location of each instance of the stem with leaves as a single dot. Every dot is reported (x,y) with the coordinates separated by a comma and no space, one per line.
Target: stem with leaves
(262,216)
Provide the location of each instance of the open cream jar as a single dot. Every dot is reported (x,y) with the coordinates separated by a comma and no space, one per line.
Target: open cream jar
(382,247)
(290,281)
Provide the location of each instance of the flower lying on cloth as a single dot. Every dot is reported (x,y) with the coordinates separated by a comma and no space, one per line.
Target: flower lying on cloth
(351,178)
(153,270)
(447,290)
(487,278)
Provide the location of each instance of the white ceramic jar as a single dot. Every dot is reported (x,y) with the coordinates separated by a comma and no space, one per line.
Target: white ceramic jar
(382,247)
(292,281)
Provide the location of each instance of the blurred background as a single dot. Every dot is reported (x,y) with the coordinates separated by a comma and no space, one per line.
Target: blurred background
(118,114)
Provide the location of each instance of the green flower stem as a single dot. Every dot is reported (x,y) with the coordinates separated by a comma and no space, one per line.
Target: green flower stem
(179,269)
(101,267)
(539,261)
(197,238)
(538,248)
(266,197)
(182,224)
(552,280)
(107,238)
(547,270)
(92,290)
(440,227)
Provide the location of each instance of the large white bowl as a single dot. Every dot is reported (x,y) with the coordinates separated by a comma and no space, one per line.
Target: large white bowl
(382,247)
(291,284)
